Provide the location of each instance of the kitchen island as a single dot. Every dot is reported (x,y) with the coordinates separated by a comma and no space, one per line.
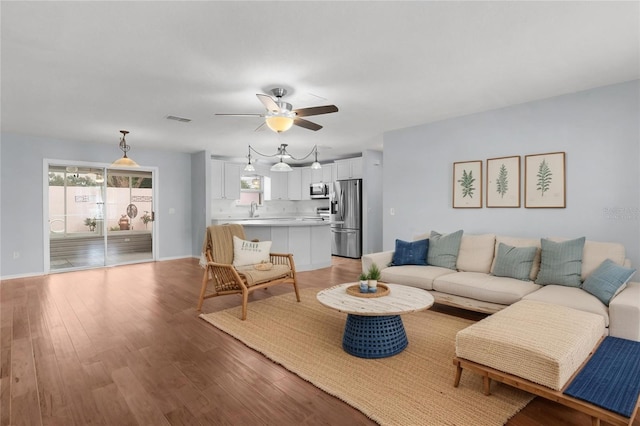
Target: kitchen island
(308,239)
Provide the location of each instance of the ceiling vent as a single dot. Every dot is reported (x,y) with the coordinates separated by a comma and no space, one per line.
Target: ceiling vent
(180,119)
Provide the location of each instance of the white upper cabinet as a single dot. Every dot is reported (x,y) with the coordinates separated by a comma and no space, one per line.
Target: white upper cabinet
(351,168)
(225,180)
(294,184)
(280,185)
(324,175)
(305,183)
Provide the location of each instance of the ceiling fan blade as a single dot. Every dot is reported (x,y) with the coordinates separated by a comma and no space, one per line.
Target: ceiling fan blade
(241,115)
(268,102)
(326,109)
(306,124)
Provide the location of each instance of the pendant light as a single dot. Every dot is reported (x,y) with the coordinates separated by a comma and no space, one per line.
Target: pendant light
(124,161)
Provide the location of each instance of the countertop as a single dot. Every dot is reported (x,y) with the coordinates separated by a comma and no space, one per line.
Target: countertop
(276,221)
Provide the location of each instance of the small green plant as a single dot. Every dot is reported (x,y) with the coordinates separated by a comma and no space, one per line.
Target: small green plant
(502,183)
(114,228)
(363,277)
(145,218)
(374,272)
(91,223)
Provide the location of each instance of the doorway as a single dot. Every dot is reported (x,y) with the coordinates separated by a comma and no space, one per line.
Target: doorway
(98,216)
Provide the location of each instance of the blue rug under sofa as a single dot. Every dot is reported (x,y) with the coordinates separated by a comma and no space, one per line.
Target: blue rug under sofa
(611,378)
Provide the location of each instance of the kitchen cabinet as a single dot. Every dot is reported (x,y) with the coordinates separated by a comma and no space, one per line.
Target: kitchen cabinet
(294,185)
(323,175)
(280,185)
(305,182)
(350,168)
(225,180)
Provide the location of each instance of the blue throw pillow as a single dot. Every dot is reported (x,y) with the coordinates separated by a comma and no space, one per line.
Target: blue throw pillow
(561,263)
(606,280)
(410,253)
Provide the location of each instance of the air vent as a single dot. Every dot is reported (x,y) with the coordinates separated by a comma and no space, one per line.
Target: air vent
(180,119)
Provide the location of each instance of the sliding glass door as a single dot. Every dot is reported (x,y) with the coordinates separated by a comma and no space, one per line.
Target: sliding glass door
(99,217)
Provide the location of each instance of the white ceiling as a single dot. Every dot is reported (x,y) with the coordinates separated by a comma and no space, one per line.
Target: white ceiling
(84,70)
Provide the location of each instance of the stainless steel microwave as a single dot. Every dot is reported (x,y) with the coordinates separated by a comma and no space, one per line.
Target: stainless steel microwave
(319,190)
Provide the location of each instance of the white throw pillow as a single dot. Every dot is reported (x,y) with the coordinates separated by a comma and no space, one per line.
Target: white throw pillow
(249,252)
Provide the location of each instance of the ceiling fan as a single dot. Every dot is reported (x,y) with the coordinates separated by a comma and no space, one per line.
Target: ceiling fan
(280,115)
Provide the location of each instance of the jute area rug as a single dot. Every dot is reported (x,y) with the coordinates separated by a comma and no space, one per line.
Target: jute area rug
(414,387)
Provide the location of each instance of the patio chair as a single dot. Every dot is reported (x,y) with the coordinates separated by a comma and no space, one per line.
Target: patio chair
(218,261)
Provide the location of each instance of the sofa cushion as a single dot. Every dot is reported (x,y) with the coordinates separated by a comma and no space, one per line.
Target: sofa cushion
(443,249)
(514,262)
(485,287)
(520,242)
(414,275)
(596,252)
(410,253)
(561,263)
(571,297)
(607,280)
(476,253)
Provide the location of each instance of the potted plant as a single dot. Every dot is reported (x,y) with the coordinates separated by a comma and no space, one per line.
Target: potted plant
(91,223)
(373,276)
(145,218)
(364,282)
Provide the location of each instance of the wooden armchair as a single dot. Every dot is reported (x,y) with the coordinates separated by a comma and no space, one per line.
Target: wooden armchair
(227,279)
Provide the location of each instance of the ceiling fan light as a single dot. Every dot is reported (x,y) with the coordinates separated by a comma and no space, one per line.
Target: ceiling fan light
(281,167)
(316,166)
(279,123)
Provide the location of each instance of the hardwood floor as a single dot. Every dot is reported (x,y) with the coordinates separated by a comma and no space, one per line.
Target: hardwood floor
(124,346)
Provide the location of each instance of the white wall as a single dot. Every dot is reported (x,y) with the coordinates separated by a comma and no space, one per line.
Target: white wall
(599,131)
(371,201)
(21,195)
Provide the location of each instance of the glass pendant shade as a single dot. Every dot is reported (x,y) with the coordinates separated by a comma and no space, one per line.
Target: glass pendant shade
(315,165)
(124,161)
(249,168)
(281,167)
(279,123)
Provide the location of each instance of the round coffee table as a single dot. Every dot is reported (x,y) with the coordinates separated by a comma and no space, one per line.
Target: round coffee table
(374,328)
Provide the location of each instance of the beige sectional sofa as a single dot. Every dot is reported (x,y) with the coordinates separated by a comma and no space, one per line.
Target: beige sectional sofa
(472,286)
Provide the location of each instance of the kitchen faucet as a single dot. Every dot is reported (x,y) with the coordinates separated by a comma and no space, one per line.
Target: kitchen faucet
(252,209)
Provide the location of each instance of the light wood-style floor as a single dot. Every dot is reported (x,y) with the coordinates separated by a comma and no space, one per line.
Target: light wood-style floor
(124,346)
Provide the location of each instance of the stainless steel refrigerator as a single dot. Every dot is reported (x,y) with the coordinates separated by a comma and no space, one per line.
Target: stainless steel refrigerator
(346,218)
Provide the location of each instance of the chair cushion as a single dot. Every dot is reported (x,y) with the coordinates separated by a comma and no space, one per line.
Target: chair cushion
(561,263)
(253,276)
(443,249)
(596,252)
(250,252)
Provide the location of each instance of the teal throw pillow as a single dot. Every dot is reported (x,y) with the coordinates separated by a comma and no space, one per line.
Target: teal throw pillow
(561,263)
(410,253)
(607,280)
(443,249)
(514,262)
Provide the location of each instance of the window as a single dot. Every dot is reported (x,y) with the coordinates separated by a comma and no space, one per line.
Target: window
(251,190)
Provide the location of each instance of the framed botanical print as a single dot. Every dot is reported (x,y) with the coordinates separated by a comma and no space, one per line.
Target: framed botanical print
(467,185)
(544,180)
(503,182)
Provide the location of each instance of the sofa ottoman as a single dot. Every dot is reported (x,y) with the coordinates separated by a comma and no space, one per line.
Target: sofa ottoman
(540,342)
